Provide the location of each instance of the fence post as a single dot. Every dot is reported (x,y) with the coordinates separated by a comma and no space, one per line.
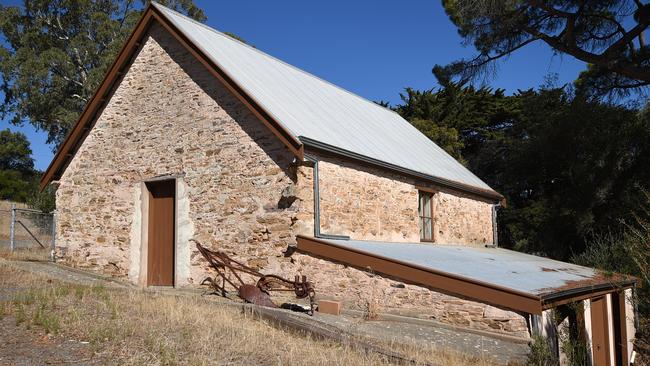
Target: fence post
(12,228)
(53,244)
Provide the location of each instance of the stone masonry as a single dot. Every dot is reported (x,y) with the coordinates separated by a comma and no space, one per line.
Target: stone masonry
(370,204)
(243,192)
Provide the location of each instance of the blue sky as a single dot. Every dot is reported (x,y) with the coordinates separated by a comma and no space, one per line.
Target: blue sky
(372,48)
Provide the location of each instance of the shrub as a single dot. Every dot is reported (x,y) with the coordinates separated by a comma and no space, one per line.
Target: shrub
(541,353)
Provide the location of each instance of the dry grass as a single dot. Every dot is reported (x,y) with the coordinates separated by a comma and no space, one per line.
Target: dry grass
(27,247)
(370,305)
(27,254)
(132,327)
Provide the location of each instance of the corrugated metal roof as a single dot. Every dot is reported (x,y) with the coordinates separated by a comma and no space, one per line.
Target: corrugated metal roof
(506,268)
(310,107)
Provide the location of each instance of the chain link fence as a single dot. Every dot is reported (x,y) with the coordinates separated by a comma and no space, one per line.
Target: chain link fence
(25,233)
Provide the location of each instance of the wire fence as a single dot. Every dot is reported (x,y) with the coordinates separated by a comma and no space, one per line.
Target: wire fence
(27,234)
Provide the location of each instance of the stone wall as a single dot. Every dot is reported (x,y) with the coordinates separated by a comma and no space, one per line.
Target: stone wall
(241,193)
(355,287)
(170,117)
(371,204)
(461,219)
(366,204)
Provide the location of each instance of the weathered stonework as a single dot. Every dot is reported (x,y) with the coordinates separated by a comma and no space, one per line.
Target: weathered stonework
(371,204)
(243,193)
(460,219)
(169,116)
(366,204)
(352,286)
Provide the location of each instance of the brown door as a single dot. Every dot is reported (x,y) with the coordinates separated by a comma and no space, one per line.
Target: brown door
(600,331)
(160,242)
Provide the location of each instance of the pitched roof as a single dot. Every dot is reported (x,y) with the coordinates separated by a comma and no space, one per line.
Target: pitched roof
(300,108)
(312,108)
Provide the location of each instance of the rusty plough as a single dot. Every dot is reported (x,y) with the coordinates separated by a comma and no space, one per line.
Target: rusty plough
(259,293)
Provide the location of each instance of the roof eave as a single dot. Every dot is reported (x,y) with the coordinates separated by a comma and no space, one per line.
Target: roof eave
(323,147)
(462,286)
(579,293)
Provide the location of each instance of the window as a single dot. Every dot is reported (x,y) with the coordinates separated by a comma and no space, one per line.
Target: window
(425,211)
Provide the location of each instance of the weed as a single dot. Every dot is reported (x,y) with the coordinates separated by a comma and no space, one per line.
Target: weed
(26,298)
(46,319)
(113,309)
(99,290)
(370,306)
(571,334)
(19,313)
(61,291)
(541,353)
(79,292)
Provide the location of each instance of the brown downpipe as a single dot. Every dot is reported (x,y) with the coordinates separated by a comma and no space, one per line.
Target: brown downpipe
(495,229)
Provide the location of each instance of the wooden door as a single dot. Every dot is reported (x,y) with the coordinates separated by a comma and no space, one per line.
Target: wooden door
(160,242)
(600,331)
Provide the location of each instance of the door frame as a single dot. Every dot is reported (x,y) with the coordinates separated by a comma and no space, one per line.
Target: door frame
(143,279)
(619,317)
(600,330)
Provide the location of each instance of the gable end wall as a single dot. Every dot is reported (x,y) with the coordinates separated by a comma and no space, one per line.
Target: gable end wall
(170,117)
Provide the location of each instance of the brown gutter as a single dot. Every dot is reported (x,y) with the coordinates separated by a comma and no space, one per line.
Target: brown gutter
(117,70)
(434,279)
(561,297)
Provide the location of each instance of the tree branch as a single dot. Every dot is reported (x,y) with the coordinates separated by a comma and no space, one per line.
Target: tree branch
(504,53)
(550,9)
(79,97)
(626,38)
(602,38)
(620,66)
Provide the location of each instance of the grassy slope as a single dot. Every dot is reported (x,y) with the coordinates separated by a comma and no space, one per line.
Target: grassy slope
(135,327)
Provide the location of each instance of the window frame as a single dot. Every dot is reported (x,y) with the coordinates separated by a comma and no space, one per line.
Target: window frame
(430,194)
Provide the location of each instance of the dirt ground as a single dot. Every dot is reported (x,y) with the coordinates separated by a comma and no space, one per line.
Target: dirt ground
(22,346)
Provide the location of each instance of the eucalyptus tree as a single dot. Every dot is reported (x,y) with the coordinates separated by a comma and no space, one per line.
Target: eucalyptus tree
(54,54)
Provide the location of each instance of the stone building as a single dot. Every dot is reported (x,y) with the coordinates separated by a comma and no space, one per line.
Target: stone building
(195,135)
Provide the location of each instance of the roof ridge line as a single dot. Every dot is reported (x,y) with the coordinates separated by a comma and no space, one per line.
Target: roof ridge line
(276,59)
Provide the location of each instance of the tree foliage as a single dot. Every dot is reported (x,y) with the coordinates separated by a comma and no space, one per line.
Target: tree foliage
(234,36)
(15,153)
(18,178)
(458,119)
(55,54)
(568,165)
(607,35)
(626,249)
(571,167)
(16,166)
